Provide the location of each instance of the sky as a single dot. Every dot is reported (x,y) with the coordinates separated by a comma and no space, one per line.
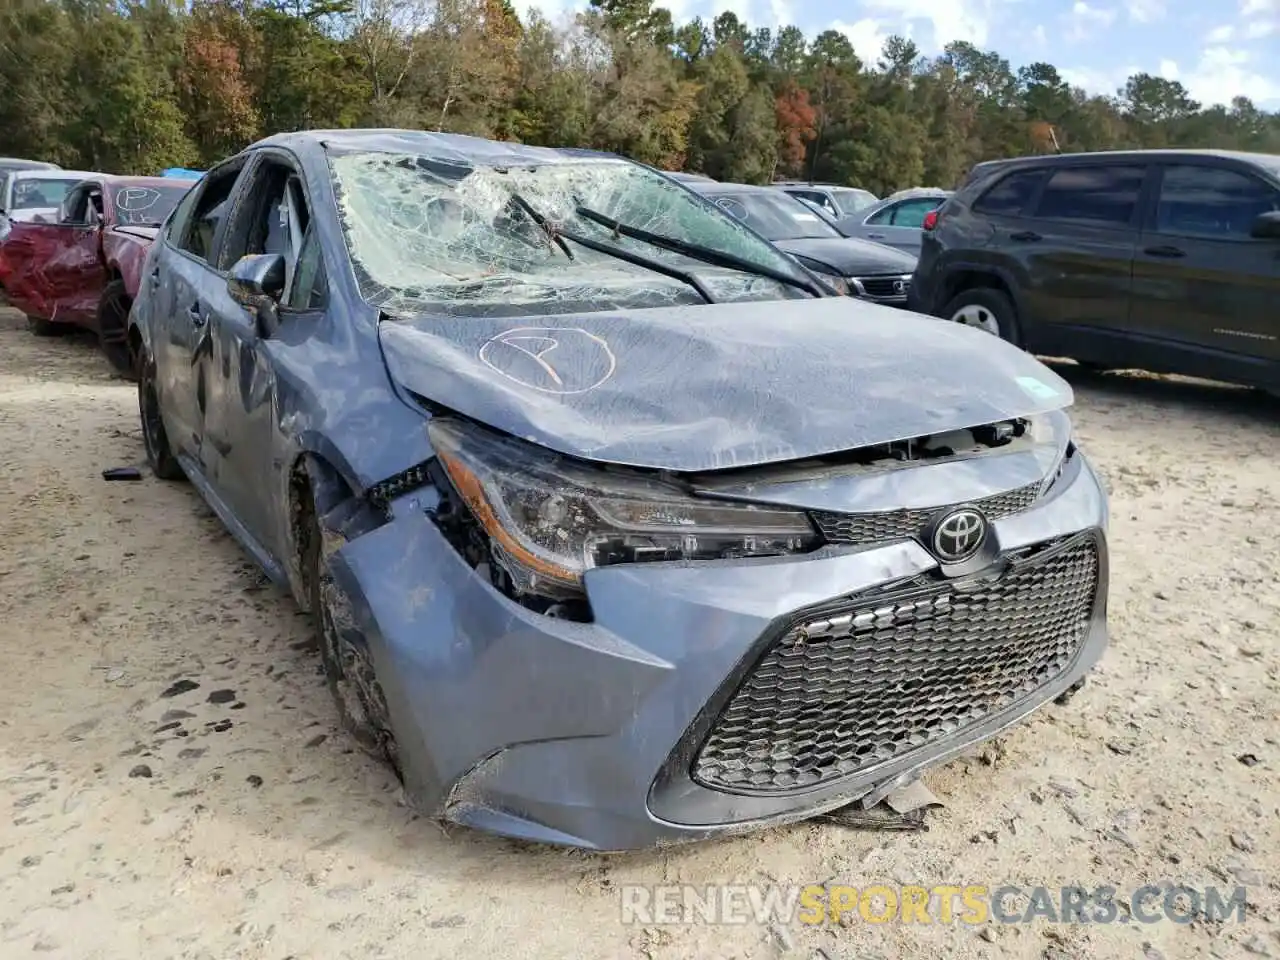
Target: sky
(1217,50)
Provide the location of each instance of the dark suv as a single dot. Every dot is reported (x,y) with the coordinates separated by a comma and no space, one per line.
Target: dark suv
(1165,260)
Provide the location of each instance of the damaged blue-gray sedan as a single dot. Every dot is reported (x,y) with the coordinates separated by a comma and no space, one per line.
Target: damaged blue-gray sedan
(619,528)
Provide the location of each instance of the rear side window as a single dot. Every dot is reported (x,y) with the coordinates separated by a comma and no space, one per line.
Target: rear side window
(1011,196)
(1103,194)
(911,213)
(1211,201)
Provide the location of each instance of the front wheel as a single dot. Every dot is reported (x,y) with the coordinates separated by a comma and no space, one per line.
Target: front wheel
(113,328)
(159,457)
(985,309)
(348,668)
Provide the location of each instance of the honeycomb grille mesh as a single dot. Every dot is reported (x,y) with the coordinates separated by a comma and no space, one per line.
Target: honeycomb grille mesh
(886,675)
(903,524)
(883,286)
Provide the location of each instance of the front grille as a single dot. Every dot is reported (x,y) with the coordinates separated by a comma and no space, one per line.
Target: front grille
(904,524)
(884,286)
(886,674)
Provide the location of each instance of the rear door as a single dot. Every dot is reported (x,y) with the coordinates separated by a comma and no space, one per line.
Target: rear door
(899,224)
(182,277)
(1206,293)
(1076,251)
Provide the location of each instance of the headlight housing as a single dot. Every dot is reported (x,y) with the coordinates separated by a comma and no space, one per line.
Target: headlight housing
(549,518)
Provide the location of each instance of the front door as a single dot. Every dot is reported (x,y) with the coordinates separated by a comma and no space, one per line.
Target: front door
(240,422)
(1206,293)
(75,272)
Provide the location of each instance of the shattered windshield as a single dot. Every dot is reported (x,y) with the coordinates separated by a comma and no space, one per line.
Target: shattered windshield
(775,215)
(430,236)
(32,193)
(147,206)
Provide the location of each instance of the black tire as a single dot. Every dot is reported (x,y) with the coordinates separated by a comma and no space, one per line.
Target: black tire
(43,328)
(113,329)
(159,457)
(348,670)
(993,307)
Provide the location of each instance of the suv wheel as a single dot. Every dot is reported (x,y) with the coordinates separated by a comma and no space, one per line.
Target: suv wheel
(986,309)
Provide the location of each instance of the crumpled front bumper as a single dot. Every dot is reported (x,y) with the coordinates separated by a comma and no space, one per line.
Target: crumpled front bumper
(546,729)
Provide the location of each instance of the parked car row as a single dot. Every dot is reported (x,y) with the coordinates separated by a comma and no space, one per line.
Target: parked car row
(72,244)
(619,525)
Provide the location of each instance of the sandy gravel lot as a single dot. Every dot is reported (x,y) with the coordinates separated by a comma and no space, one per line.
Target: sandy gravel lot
(234,820)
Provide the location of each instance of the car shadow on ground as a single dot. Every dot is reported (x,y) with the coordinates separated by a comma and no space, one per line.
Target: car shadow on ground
(1180,395)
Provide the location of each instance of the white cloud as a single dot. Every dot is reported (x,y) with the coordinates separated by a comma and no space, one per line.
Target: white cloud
(1085,20)
(1258,29)
(1168,69)
(1224,73)
(1103,82)
(1221,34)
(951,20)
(1146,11)
(1039,37)
(867,36)
(1251,8)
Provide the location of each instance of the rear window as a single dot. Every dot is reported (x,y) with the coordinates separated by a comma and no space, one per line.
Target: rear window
(1011,195)
(1103,194)
(147,206)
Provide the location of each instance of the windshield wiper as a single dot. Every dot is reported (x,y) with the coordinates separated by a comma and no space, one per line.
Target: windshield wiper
(559,234)
(693,251)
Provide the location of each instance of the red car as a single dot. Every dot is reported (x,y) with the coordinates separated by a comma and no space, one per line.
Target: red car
(84,270)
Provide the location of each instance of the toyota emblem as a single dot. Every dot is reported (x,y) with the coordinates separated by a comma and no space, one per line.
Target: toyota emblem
(959,535)
(899,286)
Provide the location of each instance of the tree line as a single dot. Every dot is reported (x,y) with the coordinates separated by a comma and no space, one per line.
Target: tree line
(133,86)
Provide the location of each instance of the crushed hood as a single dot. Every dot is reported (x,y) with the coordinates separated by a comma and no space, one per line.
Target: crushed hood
(849,257)
(726,385)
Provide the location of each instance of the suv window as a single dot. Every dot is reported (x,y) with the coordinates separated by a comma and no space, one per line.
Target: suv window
(1011,195)
(196,236)
(1103,194)
(1212,201)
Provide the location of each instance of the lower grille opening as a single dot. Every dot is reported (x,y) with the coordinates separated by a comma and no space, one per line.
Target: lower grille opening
(887,674)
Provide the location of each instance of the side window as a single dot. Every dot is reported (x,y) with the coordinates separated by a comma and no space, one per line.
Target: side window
(1010,196)
(75,208)
(309,289)
(1103,195)
(821,199)
(4,191)
(1212,201)
(273,219)
(881,218)
(197,236)
(911,213)
(181,216)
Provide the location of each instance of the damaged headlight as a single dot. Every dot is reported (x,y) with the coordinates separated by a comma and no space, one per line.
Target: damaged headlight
(550,519)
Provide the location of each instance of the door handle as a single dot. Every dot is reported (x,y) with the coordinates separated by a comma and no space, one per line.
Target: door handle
(197,318)
(1165,251)
(155,279)
(875,236)
(1025,236)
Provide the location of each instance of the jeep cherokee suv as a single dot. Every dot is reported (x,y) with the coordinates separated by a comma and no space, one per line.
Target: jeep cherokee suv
(1164,260)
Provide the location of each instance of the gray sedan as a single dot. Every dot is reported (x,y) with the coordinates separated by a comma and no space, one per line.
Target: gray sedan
(896,221)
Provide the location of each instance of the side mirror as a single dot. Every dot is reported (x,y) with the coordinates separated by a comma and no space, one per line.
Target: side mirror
(1266,226)
(256,282)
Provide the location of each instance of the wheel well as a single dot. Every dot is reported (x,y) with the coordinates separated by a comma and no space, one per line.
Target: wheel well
(316,488)
(971,279)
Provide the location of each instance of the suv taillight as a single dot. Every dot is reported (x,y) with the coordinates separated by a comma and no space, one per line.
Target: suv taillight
(930,220)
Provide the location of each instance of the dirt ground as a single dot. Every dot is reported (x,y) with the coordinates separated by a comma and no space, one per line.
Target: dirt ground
(234,820)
